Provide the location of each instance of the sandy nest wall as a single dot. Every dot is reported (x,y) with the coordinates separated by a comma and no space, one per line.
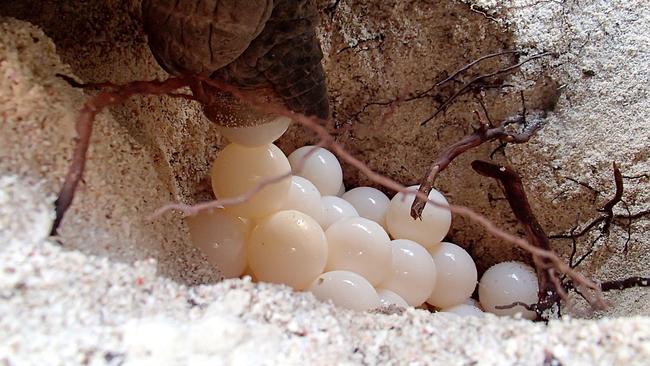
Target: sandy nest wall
(152,150)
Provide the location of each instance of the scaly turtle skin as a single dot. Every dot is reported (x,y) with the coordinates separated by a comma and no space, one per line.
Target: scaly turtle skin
(253,44)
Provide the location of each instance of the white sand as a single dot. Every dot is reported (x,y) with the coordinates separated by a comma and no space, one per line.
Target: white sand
(64,307)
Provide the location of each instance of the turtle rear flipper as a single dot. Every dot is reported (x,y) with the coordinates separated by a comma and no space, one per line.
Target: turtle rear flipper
(286,56)
(196,37)
(294,69)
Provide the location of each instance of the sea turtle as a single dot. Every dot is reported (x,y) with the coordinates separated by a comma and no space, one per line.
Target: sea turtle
(253,44)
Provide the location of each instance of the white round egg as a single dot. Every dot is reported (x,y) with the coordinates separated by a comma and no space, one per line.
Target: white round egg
(304,197)
(287,247)
(361,246)
(463,310)
(412,274)
(321,168)
(506,283)
(457,275)
(388,297)
(345,289)
(222,238)
(369,202)
(334,209)
(431,229)
(249,272)
(239,169)
(258,135)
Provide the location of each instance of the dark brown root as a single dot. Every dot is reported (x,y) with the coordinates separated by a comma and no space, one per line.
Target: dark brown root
(486,132)
(84,126)
(550,287)
(479,82)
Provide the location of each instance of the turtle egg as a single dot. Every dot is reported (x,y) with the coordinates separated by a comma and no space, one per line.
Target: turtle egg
(222,238)
(506,283)
(388,297)
(369,202)
(345,289)
(361,246)
(249,272)
(258,135)
(413,272)
(287,247)
(321,168)
(431,229)
(463,310)
(238,169)
(304,197)
(457,275)
(334,209)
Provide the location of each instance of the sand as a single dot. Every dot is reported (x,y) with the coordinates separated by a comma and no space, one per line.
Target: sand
(116,288)
(65,307)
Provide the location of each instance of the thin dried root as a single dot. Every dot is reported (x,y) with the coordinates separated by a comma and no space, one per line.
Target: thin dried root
(84,127)
(476,82)
(486,132)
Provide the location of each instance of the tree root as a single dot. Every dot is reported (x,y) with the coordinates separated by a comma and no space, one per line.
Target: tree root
(84,126)
(552,288)
(476,83)
(549,283)
(486,132)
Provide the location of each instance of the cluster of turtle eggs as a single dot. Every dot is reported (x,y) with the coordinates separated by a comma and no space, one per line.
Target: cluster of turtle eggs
(358,249)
